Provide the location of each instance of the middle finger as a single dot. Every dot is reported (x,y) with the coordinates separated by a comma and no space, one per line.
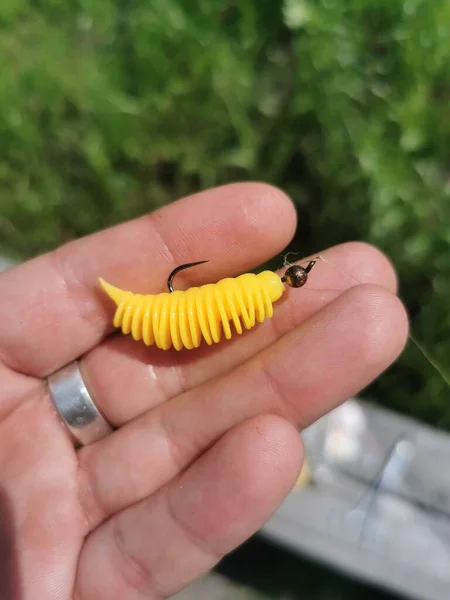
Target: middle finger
(127,378)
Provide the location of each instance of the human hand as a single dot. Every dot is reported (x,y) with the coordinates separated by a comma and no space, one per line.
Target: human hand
(207,442)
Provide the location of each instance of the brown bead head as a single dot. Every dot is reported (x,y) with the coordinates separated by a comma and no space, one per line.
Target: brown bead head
(296,276)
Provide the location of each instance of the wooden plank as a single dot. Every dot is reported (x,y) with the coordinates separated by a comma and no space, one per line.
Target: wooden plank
(375,503)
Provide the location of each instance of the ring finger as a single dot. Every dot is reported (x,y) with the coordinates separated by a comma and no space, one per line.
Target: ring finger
(300,377)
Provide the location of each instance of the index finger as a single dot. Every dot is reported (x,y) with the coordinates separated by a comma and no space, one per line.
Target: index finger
(53,310)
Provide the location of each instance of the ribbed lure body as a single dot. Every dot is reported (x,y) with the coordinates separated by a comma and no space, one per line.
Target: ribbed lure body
(182,319)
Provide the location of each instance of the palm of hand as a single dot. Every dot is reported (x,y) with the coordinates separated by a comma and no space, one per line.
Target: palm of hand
(206,445)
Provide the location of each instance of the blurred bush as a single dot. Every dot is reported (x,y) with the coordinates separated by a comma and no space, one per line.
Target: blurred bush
(112,108)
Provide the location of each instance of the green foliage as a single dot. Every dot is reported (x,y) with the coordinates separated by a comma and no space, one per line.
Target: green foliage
(112,108)
(373,79)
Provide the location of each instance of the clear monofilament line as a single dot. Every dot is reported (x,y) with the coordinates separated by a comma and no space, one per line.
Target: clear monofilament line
(434,363)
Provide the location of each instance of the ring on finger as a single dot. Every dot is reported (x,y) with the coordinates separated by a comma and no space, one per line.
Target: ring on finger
(76,407)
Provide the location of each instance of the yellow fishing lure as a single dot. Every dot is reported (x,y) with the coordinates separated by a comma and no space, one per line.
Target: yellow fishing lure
(182,319)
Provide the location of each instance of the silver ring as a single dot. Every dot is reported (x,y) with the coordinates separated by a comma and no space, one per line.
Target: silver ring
(75,405)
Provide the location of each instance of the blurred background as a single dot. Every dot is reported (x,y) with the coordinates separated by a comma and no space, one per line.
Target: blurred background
(111,108)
